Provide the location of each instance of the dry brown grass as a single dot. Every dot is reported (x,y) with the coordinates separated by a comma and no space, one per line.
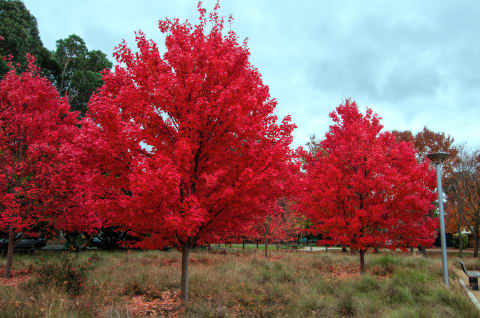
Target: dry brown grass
(240,284)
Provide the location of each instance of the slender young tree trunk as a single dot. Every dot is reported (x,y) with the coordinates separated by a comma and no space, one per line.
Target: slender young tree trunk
(460,215)
(184,281)
(63,77)
(11,246)
(460,245)
(243,244)
(344,249)
(266,247)
(460,238)
(422,250)
(362,262)
(257,245)
(477,241)
(209,248)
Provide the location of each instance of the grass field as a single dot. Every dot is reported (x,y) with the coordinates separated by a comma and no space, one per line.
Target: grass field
(240,283)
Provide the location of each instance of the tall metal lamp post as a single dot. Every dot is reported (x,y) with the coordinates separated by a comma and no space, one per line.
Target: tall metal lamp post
(437,159)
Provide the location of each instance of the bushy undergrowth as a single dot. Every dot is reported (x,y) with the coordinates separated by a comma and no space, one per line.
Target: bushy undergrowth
(237,284)
(64,272)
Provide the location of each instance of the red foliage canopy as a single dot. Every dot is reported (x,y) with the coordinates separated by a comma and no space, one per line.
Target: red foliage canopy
(37,162)
(188,148)
(367,190)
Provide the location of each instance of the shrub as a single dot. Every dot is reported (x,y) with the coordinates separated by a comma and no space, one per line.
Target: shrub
(136,286)
(346,305)
(398,294)
(65,273)
(385,260)
(456,240)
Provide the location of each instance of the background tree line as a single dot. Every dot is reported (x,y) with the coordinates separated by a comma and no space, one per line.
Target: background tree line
(461,179)
(72,67)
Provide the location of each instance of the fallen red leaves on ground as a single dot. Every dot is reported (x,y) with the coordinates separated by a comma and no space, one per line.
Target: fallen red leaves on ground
(168,305)
(17,276)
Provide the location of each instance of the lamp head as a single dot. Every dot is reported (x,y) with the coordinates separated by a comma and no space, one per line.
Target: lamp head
(437,157)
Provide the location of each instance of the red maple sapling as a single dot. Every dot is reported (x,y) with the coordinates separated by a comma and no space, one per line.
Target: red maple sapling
(280,225)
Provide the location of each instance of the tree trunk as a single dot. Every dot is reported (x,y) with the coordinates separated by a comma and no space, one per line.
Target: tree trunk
(266,247)
(422,250)
(362,262)
(257,245)
(11,246)
(344,249)
(411,251)
(460,245)
(184,281)
(209,248)
(477,241)
(460,215)
(243,245)
(460,237)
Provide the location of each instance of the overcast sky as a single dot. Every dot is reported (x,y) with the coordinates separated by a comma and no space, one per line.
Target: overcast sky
(415,63)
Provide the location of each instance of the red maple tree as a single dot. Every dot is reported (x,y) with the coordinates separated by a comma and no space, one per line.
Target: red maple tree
(37,165)
(190,145)
(280,225)
(367,190)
